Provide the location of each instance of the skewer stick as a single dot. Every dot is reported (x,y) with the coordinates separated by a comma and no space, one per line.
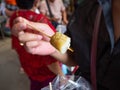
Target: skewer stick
(38,30)
(70,49)
(50,85)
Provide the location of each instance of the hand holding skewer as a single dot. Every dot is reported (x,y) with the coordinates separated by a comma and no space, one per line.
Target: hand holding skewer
(60,41)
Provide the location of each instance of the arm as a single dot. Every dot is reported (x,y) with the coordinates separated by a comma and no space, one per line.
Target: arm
(37,45)
(64,13)
(66,58)
(116,18)
(64,16)
(55,68)
(43,9)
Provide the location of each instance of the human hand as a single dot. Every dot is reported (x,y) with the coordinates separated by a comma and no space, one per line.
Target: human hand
(54,19)
(65,22)
(34,43)
(19,25)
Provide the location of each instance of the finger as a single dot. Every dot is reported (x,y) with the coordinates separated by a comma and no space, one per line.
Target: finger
(17,28)
(19,19)
(32,44)
(25,37)
(41,47)
(21,43)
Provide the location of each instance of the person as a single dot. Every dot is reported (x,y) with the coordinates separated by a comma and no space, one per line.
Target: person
(11,5)
(80,30)
(8,7)
(36,6)
(38,70)
(57,9)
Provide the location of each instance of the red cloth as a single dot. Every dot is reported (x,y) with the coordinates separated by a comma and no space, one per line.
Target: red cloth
(34,65)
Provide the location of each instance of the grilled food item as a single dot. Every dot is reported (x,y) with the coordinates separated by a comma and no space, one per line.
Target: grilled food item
(60,41)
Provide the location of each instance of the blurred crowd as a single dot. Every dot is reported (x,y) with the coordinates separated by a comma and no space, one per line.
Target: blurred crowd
(57,11)
(7,7)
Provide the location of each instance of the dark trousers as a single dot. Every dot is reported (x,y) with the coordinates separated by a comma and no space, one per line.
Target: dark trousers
(36,85)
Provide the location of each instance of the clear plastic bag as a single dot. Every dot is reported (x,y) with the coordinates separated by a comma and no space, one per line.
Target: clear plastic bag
(69,83)
(61,28)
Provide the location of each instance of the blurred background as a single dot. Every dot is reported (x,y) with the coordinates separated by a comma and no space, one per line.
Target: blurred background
(11,75)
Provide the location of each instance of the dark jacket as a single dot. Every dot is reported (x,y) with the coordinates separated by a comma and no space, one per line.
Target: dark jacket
(80,30)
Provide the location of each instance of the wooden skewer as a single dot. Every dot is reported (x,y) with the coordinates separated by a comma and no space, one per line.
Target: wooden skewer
(38,30)
(50,85)
(70,49)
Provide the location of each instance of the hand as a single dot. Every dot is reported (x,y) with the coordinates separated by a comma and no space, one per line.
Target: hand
(54,19)
(20,24)
(65,22)
(34,43)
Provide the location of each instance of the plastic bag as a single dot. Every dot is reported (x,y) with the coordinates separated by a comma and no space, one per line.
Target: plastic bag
(68,83)
(61,28)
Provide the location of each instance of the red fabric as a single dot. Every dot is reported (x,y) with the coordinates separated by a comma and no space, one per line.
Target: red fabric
(34,65)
